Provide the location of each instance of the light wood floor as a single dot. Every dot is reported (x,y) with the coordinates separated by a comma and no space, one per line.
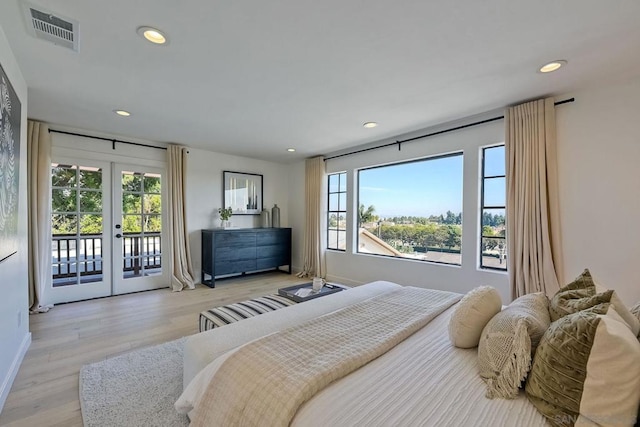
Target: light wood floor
(45,392)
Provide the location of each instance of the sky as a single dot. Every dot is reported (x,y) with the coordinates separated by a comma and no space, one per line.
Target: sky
(430,187)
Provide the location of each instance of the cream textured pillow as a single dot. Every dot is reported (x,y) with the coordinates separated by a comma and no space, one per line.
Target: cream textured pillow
(586,370)
(508,343)
(471,315)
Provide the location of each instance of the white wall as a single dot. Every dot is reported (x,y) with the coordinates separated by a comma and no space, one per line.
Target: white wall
(352,268)
(204,194)
(14,320)
(599,173)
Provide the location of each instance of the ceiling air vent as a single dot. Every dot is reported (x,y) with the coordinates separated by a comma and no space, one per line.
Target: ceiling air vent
(52,27)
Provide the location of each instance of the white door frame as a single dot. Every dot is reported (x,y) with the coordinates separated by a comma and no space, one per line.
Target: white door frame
(102,288)
(122,285)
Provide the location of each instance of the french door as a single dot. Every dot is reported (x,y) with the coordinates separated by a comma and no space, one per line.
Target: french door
(107,229)
(137,229)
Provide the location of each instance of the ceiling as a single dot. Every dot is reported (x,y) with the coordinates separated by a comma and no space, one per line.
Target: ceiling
(253,78)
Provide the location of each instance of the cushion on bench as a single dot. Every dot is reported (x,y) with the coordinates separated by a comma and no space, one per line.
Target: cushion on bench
(223,315)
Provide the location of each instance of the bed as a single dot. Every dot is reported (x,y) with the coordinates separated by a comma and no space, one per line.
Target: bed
(423,380)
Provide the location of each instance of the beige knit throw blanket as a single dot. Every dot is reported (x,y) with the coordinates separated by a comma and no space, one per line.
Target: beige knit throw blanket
(265,382)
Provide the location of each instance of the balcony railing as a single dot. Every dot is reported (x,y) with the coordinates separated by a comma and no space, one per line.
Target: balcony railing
(71,253)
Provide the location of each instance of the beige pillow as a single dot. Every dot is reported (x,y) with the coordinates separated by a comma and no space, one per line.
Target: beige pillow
(586,371)
(471,315)
(508,342)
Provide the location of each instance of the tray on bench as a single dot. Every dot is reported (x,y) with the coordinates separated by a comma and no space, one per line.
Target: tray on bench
(327,289)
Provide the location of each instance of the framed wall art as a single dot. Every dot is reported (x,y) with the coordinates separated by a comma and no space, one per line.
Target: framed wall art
(10,116)
(243,192)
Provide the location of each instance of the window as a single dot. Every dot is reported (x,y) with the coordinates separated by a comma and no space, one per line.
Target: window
(493,245)
(412,209)
(337,215)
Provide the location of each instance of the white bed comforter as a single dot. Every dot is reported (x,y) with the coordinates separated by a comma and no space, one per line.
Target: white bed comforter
(423,381)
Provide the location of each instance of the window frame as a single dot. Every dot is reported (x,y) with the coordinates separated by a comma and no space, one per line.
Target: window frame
(341,175)
(403,162)
(483,208)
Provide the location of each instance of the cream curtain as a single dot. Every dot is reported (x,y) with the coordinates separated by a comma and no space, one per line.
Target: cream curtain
(181,270)
(39,214)
(534,250)
(314,248)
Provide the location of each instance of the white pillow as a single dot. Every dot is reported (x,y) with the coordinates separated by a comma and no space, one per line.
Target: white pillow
(623,311)
(471,315)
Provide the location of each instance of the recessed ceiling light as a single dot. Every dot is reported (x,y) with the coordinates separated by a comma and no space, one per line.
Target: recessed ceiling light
(369,125)
(122,113)
(552,66)
(291,150)
(153,35)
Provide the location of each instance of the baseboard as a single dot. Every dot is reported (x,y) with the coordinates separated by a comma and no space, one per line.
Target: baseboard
(13,371)
(343,280)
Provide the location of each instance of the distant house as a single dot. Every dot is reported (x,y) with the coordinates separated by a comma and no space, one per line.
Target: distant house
(372,244)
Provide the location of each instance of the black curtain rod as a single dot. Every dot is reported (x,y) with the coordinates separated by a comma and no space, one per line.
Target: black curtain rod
(112,140)
(398,143)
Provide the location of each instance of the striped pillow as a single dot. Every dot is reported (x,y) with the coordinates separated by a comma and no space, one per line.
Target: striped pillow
(223,315)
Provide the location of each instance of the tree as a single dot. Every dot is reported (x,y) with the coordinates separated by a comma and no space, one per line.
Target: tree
(367,215)
(454,234)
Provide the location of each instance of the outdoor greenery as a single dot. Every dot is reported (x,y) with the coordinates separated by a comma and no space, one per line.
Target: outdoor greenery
(77,192)
(409,234)
(367,215)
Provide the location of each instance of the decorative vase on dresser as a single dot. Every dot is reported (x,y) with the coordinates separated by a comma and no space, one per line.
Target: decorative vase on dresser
(264,219)
(244,250)
(275,216)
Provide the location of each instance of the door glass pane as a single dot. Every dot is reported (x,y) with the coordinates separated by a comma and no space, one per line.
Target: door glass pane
(152,204)
(76,224)
(131,203)
(63,200)
(64,224)
(152,223)
(91,224)
(91,201)
(152,183)
(141,224)
(90,178)
(131,181)
(132,223)
(63,176)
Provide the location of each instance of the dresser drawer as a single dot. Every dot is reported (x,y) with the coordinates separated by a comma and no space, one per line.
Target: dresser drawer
(231,253)
(235,240)
(233,267)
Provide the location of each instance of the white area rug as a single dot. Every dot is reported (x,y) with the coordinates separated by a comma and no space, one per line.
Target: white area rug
(135,389)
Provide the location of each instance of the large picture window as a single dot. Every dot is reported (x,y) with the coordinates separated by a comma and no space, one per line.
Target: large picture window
(337,215)
(493,245)
(412,210)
